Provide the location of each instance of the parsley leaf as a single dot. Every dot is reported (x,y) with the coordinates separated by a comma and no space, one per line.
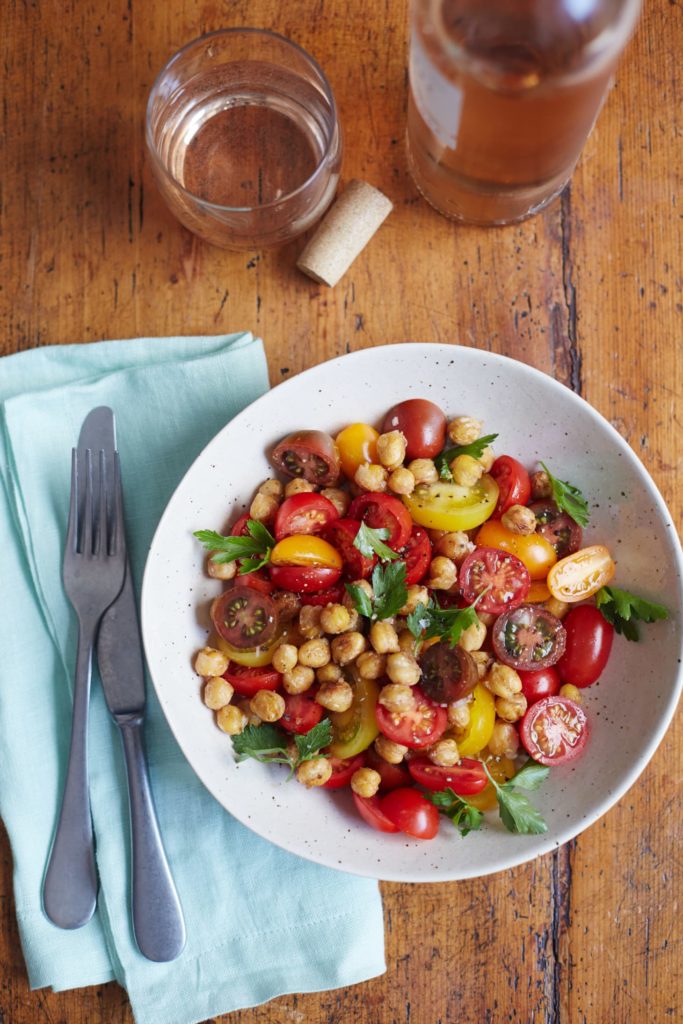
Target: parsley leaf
(252,551)
(516,811)
(449,624)
(569,499)
(267,744)
(369,543)
(309,744)
(390,591)
(475,449)
(464,815)
(622,609)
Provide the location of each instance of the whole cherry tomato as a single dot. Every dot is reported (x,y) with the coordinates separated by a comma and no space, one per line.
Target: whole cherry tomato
(422,423)
(589,642)
(411,813)
(544,682)
(357,444)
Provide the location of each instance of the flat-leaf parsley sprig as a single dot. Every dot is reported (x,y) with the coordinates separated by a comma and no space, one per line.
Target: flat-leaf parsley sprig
(267,744)
(464,815)
(428,621)
(252,552)
(623,610)
(389,592)
(569,498)
(475,449)
(517,812)
(370,541)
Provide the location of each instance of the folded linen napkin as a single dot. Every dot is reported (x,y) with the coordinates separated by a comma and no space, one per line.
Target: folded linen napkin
(260,922)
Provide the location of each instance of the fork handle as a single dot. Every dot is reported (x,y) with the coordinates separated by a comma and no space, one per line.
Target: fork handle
(70,886)
(157,915)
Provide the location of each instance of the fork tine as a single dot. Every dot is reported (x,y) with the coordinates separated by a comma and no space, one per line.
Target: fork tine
(117,526)
(101,546)
(86,542)
(72,525)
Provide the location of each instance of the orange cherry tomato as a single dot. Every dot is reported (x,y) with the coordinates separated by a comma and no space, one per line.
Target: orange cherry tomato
(580,575)
(357,444)
(535,551)
(305,549)
(538,593)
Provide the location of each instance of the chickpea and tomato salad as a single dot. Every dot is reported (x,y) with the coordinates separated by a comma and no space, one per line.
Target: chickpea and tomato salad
(406,613)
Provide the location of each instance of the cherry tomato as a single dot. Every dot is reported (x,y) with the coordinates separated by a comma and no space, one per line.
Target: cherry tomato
(302,712)
(304,579)
(304,513)
(417,554)
(554,730)
(422,423)
(505,576)
(245,617)
(382,511)
(254,657)
(392,775)
(341,535)
(370,811)
(239,527)
(257,580)
(514,485)
(448,673)
(502,769)
(411,813)
(545,682)
(311,454)
(354,730)
(528,637)
(303,549)
(589,642)
(444,506)
(357,445)
(423,725)
(342,770)
(557,527)
(535,551)
(538,592)
(333,595)
(482,720)
(464,778)
(248,681)
(580,575)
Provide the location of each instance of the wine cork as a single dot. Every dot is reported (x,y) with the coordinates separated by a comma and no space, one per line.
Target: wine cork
(344,232)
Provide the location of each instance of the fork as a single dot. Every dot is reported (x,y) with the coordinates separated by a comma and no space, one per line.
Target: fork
(93,572)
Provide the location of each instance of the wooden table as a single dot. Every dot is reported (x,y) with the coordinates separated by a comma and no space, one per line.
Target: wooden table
(591,291)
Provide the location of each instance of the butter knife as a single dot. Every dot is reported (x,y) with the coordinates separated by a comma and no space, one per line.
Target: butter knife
(157,915)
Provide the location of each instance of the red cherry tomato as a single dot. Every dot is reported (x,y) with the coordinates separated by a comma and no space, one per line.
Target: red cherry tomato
(239,527)
(557,527)
(528,638)
(422,423)
(371,812)
(303,513)
(411,813)
(245,617)
(301,712)
(545,682)
(420,727)
(248,681)
(464,778)
(257,581)
(311,454)
(589,642)
(382,511)
(342,770)
(304,579)
(392,775)
(554,730)
(505,574)
(333,595)
(417,554)
(514,485)
(341,535)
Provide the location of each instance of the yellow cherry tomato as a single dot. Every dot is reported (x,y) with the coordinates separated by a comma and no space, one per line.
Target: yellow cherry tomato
(305,549)
(357,445)
(502,769)
(253,657)
(538,592)
(535,551)
(354,730)
(482,721)
(577,576)
(444,506)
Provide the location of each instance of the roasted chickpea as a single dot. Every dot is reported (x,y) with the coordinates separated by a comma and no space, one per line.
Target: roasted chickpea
(483,661)
(263,508)
(309,621)
(339,498)
(298,486)
(268,705)
(519,519)
(416,595)
(503,681)
(511,708)
(221,570)
(391,752)
(210,662)
(371,477)
(466,470)
(391,449)
(365,782)
(424,471)
(442,573)
(347,647)
(287,603)
(571,692)
(217,693)
(397,697)
(487,458)
(459,715)
(383,637)
(557,608)
(272,487)
(231,719)
(315,772)
(407,642)
(403,668)
(285,657)
(315,653)
(335,696)
(472,638)
(329,673)
(335,618)
(464,430)
(298,679)
(540,485)
(504,740)
(444,753)
(371,665)
(455,546)
(401,481)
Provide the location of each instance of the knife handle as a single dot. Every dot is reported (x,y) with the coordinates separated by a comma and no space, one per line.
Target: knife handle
(157,915)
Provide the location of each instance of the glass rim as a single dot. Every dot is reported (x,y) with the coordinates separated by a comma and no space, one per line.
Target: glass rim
(222,32)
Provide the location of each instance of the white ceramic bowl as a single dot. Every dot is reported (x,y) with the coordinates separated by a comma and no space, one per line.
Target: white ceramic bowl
(536,418)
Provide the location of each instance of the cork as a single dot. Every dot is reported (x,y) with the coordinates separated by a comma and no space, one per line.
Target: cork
(344,232)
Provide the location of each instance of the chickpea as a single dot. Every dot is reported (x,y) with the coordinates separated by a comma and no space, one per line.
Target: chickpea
(335,618)
(444,753)
(407,642)
(243,704)
(557,608)
(335,696)
(268,705)
(339,499)
(365,781)
(424,471)
(391,449)
(371,477)
(511,708)
(472,638)
(459,715)
(442,573)
(315,772)
(402,668)
(416,595)
(315,653)
(464,430)
(298,679)
(502,680)
(389,751)
(231,719)
(504,740)
(371,665)
(487,458)
(263,508)
(287,603)
(483,660)
(298,486)
(396,697)
(383,637)
(272,487)
(347,647)
(285,657)
(519,519)
(487,618)
(329,673)
(210,662)
(455,546)
(221,570)
(401,481)
(572,693)
(466,470)
(217,693)
(540,485)
(309,621)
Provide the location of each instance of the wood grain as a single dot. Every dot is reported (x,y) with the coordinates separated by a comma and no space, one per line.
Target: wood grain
(590,291)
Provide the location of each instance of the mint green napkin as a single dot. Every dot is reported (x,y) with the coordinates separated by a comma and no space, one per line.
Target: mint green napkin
(260,922)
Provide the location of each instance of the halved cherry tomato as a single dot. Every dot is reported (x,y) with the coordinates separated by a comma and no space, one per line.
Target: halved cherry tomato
(357,445)
(554,730)
(535,551)
(499,575)
(513,481)
(444,506)
(248,681)
(464,778)
(302,712)
(589,642)
(304,579)
(303,549)
(257,580)
(354,730)
(239,527)
(392,775)
(342,770)
(448,673)
(383,511)
(333,595)
(341,534)
(411,813)
(417,554)
(502,769)
(544,682)
(528,638)
(304,513)
(423,425)
(254,657)
(580,575)
(482,720)
(423,725)
(311,454)
(245,617)
(557,527)
(371,812)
